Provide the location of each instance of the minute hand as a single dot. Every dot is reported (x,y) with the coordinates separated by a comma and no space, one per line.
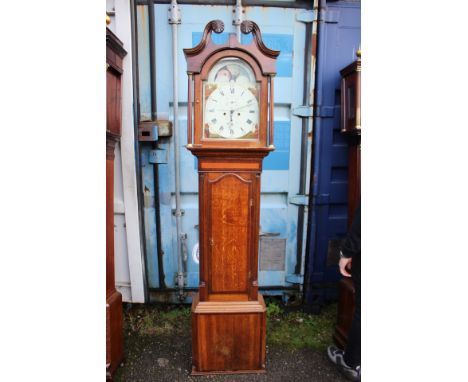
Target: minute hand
(241,107)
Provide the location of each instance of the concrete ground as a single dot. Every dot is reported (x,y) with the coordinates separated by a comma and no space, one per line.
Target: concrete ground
(158,348)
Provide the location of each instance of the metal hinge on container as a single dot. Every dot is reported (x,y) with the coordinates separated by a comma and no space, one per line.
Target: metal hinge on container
(299,200)
(306,16)
(303,111)
(158,156)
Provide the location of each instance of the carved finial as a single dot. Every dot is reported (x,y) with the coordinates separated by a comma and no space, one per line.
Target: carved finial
(217,26)
(247,26)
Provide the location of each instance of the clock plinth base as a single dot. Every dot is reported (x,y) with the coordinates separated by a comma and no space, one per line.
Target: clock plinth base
(228,337)
(114,333)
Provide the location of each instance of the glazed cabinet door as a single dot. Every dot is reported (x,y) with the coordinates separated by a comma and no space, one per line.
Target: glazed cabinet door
(230,256)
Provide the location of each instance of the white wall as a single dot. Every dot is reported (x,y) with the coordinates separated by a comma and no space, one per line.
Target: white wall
(128,252)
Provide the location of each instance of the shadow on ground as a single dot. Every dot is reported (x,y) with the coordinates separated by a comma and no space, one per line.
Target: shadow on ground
(158,346)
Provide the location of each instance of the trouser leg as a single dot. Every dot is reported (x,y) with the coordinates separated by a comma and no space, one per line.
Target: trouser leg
(352,355)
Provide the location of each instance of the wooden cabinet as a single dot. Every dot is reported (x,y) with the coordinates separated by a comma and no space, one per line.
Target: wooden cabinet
(233,93)
(114,316)
(351,128)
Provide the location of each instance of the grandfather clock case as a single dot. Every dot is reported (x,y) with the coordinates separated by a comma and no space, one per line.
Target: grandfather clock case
(232,86)
(351,128)
(114,316)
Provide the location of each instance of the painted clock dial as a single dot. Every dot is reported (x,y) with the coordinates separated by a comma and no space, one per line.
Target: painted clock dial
(231,98)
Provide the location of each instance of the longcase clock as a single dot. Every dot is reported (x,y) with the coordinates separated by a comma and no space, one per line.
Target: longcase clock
(114,314)
(351,128)
(231,88)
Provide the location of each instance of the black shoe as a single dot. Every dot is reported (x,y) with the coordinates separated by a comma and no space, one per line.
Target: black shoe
(337,357)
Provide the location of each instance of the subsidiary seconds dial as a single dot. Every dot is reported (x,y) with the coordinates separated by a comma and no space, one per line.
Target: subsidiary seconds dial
(231,111)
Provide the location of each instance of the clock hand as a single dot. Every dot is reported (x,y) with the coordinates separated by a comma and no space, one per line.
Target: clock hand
(241,107)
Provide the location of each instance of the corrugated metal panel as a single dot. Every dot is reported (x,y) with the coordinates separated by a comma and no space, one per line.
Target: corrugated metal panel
(339,39)
(280,179)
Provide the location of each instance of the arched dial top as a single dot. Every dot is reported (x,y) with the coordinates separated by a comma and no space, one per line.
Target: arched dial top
(265,56)
(232,91)
(231,101)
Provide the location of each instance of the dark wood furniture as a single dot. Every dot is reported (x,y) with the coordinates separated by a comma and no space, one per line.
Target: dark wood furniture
(114,329)
(351,127)
(232,133)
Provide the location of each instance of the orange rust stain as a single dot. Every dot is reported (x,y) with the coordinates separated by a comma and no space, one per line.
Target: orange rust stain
(142,16)
(314,45)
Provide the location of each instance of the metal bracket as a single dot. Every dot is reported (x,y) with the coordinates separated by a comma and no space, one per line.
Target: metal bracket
(237,14)
(158,156)
(183,277)
(150,131)
(182,213)
(299,200)
(174,16)
(306,16)
(303,111)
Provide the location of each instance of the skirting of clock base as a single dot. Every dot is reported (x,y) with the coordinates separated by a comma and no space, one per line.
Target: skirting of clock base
(195,372)
(114,333)
(228,337)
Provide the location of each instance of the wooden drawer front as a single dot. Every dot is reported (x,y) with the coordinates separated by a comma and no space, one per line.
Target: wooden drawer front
(229,222)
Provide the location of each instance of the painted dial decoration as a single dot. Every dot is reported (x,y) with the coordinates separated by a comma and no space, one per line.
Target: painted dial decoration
(231,101)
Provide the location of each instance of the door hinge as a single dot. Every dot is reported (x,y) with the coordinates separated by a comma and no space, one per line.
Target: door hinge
(303,111)
(299,200)
(158,156)
(306,16)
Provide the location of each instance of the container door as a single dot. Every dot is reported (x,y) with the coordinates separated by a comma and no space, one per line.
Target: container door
(280,177)
(339,40)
